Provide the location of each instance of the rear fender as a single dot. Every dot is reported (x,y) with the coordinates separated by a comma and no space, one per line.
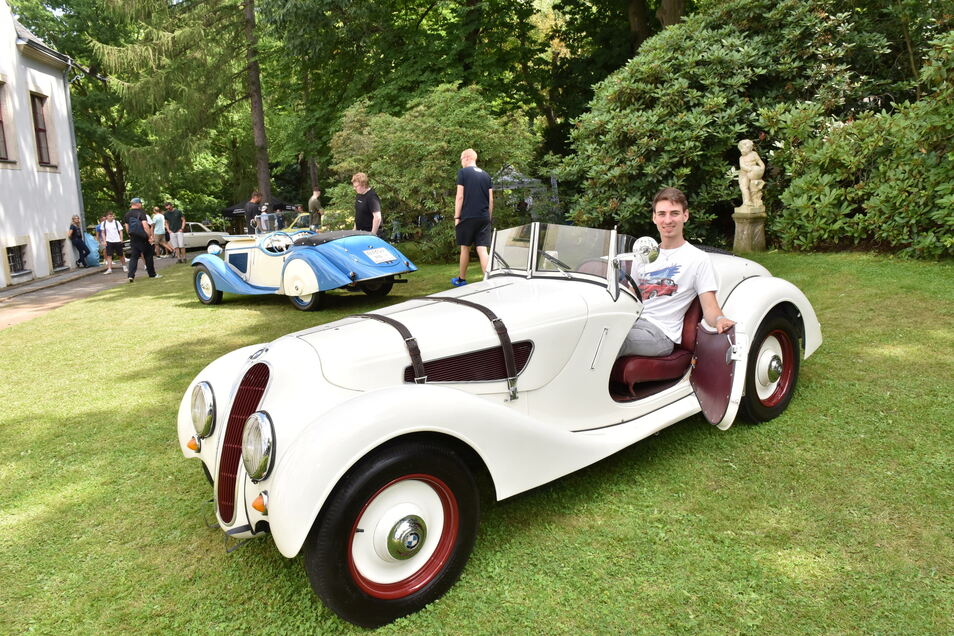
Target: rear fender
(754,298)
(307,271)
(353,254)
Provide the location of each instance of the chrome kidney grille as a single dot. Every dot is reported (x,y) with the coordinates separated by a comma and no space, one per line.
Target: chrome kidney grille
(246,402)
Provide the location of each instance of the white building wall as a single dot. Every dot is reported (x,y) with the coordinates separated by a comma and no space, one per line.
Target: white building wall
(36,202)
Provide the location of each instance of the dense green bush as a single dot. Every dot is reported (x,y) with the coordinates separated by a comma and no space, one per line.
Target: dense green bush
(412,159)
(882,179)
(674,115)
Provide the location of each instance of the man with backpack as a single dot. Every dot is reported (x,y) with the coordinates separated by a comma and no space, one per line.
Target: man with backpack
(139,230)
(112,231)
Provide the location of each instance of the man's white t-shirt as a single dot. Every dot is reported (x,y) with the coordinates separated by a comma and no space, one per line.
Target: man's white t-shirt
(112,231)
(670,283)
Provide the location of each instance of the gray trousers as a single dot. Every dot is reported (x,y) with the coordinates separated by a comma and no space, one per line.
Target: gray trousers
(646,339)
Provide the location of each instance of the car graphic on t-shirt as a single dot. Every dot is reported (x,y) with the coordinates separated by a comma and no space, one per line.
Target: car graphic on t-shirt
(657,287)
(659,282)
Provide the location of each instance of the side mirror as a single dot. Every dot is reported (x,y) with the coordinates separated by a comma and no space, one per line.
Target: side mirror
(645,250)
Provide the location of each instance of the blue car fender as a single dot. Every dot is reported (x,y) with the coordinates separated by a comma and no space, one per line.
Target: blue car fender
(351,254)
(307,271)
(227,280)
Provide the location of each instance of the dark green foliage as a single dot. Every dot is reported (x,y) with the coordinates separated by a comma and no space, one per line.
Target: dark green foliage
(674,115)
(412,159)
(883,179)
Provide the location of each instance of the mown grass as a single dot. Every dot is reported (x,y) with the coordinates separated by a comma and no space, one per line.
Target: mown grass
(834,518)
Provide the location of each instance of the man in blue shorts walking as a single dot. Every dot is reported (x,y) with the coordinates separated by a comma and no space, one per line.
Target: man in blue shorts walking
(473,211)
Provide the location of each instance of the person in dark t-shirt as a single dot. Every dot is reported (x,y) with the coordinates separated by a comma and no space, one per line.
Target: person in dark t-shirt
(367,205)
(251,211)
(473,211)
(139,245)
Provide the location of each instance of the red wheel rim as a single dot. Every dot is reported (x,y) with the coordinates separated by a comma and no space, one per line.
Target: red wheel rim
(788,372)
(434,564)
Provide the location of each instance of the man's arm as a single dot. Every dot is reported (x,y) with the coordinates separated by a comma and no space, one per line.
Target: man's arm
(490,204)
(458,204)
(713,313)
(375,221)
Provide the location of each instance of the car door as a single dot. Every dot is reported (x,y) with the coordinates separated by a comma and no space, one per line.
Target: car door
(189,237)
(718,374)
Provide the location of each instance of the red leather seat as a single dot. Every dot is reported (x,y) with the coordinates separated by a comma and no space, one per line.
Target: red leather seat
(630,370)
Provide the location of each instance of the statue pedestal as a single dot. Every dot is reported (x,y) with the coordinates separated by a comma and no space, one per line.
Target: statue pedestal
(749,229)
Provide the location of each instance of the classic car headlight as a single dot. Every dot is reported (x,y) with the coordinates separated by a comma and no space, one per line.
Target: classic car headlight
(258,444)
(203,409)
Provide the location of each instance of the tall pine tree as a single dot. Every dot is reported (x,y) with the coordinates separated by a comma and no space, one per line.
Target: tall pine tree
(189,65)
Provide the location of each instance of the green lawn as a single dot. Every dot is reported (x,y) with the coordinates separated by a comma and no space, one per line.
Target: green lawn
(834,518)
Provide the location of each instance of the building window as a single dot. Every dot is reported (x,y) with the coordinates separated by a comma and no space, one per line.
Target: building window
(4,155)
(56,251)
(16,257)
(38,104)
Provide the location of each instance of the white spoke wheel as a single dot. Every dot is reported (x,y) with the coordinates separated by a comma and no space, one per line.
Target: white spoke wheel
(394,535)
(772,370)
(204,286)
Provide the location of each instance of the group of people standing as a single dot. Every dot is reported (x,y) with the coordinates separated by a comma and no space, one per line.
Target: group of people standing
(145,232)
(162,230)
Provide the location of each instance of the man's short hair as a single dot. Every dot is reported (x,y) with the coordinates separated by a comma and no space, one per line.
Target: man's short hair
(360,178)
(671,194)
(470,153)
(255,193)
(168,204)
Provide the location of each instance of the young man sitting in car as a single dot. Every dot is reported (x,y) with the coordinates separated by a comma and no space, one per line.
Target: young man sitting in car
(659,328)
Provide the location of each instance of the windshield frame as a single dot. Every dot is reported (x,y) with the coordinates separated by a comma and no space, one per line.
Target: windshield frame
(532,234)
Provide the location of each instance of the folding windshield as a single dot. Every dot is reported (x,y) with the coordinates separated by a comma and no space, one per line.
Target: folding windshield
(553,251)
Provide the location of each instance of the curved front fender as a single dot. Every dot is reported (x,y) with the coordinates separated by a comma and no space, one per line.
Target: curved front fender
(500,435)
(227,280)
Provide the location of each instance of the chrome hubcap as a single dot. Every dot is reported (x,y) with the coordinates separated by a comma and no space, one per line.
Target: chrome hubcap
(407,537)
(769,367)
(774,371)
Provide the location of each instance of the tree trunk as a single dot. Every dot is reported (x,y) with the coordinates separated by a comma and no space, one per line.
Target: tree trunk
(639,27)
(309,156)
(473,19)
(670,12)
(258,109)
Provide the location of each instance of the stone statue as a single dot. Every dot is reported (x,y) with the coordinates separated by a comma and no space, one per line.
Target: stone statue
(751,170)
(750,216)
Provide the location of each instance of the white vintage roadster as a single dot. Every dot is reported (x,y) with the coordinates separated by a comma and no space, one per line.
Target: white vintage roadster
(504,384)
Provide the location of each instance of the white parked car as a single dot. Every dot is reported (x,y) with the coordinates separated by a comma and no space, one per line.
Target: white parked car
(365,442)
(198,236)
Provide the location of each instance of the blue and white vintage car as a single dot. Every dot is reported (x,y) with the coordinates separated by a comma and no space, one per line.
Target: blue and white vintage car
(301,265)
(416,410)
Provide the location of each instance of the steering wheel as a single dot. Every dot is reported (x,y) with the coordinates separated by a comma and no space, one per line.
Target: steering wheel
(276,243)
(632,284)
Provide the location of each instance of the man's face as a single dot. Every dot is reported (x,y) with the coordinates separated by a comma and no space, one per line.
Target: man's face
(669,218)
(357,186)
(110,216)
